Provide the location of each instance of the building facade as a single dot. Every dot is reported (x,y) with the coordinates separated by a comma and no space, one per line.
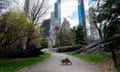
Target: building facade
(94,35)
(93,30)
(81,13)
(26,5)
(57,11)
(14,5)
(66,25)
(4,5)
(81,17)
(54,28)
(55,22)
(46,27)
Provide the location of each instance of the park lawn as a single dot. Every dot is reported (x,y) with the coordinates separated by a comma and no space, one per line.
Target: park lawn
(104,61)
(97,58)
(17,64)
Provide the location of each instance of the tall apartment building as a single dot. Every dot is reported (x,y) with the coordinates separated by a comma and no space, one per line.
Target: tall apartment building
(58,11)
(81,13)
(27,7)
(4,4)
(46,27)
(93,31)
(55,22)
(94,35)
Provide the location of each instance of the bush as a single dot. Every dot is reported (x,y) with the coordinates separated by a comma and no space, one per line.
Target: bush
(14,27)
(68,48)
(31,51)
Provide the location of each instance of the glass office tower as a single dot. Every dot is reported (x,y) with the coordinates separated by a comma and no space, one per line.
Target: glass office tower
(4,4)
(81,13)
(58,11)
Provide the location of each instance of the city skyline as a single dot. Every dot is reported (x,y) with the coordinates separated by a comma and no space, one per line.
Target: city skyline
(69,10)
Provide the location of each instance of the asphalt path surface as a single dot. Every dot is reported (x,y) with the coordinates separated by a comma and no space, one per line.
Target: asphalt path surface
(53,64)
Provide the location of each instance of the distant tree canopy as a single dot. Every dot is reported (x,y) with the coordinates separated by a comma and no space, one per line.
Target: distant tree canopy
(65,36)
(79,34)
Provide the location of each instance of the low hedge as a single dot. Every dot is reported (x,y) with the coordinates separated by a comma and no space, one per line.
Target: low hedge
(31,51)
(68,48)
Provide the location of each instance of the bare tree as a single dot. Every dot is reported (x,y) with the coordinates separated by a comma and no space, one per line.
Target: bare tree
(36,9)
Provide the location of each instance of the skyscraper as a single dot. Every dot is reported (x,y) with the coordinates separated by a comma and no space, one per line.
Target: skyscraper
(93,30)
(4,4)
(54,28)
(26,6)
(55,22)
(81,12)
(46,26)
(58,11)
(81,16)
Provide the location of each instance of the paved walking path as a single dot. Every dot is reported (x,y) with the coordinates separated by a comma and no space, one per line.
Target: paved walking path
(53,64)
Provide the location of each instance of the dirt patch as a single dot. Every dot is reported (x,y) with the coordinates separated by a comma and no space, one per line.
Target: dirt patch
(107,65)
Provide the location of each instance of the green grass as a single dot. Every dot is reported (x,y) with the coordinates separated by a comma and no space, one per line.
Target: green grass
(118,62)
(92,57)
(16,64)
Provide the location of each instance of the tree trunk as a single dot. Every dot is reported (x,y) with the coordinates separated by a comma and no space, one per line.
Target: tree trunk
(100,34)
(27,43)
(3,51)
(99,31)
(113,55)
